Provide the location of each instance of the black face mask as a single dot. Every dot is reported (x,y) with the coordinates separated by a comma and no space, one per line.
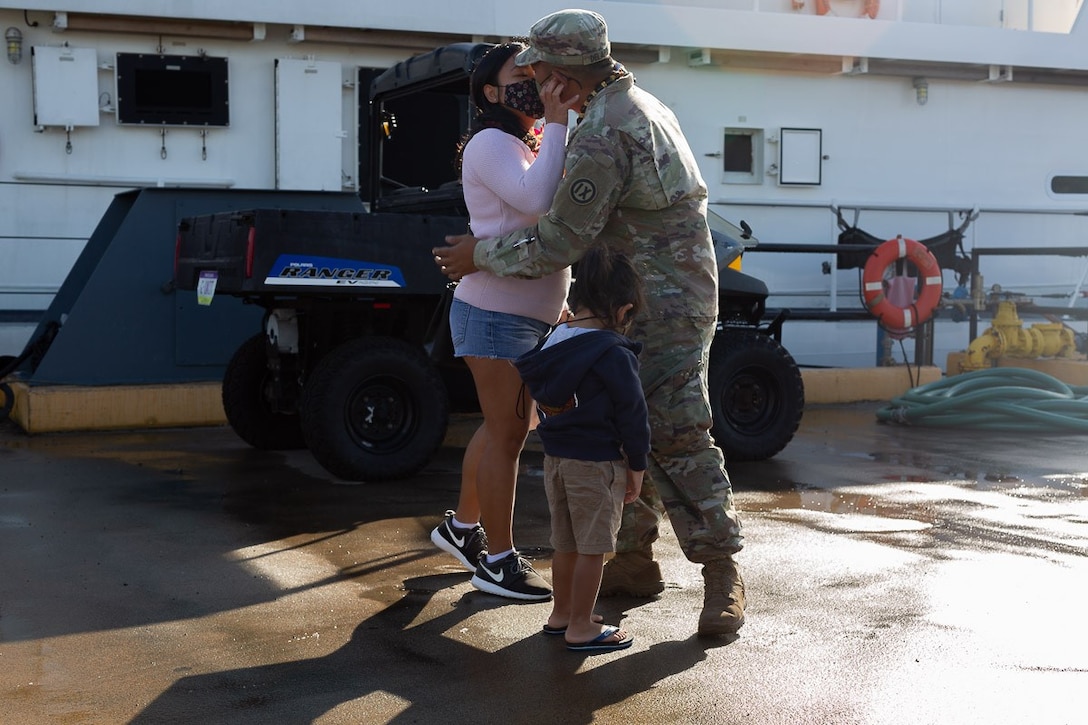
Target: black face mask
(523,96)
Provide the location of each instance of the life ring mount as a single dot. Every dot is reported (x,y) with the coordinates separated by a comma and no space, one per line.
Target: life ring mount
(876,299)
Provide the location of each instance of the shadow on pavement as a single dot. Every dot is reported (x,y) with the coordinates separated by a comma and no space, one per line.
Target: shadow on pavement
(396,669)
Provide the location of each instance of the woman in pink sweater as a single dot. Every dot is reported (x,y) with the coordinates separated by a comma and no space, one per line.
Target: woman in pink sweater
(510,171)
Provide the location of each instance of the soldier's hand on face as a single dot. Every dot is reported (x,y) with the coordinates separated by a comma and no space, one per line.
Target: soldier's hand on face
(455,260)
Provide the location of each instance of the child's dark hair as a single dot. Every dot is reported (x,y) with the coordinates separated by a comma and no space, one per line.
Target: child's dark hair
(605,281)
(486,114)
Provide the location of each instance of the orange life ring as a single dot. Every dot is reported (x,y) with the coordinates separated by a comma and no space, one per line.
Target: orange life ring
(871,7)
(872,286)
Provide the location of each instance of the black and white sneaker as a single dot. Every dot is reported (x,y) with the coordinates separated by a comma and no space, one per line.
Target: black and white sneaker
(511,576)
(468,545)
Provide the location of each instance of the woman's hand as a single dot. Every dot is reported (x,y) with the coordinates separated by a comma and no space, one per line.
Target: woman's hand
(556,109)
(456,260)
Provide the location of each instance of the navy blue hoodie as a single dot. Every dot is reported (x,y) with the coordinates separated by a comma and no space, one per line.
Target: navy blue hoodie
(590,398)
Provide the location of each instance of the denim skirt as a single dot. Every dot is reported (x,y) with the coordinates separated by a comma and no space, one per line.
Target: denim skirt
(495,335)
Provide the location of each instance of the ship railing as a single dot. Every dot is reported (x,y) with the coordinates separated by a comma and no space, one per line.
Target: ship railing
(975,306)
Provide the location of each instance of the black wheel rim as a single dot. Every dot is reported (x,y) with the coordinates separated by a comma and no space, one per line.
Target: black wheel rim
(750,401)
(381,414)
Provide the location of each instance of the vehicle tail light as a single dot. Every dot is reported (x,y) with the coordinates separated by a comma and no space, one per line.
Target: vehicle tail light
(251,245)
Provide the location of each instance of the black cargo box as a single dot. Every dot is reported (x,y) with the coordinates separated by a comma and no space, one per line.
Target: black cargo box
(288,252)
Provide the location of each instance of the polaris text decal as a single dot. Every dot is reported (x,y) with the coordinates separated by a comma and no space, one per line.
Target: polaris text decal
(292,269)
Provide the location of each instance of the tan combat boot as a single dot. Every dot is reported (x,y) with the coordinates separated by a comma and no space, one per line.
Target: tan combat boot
(723,599)
(632,573)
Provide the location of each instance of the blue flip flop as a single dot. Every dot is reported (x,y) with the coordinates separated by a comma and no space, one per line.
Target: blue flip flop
(598,644)
(548,629)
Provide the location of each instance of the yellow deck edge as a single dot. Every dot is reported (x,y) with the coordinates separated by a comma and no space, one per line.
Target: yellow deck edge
(1069,371)
(57,408)
(854,385)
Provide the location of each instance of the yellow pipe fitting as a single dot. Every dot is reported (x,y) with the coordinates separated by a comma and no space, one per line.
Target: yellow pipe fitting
(1006,318)
(985,347)
(1057,339)
(1030,344)
(1008,337)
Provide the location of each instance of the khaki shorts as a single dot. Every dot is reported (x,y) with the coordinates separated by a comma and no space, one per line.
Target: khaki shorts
(586,502)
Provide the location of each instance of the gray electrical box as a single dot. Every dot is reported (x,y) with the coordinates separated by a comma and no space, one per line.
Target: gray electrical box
(65,86)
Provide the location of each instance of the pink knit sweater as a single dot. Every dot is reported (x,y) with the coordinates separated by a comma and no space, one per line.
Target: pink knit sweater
(505,190)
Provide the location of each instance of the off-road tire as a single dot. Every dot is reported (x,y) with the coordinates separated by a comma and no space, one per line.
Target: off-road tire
(7,401)
(374,409)
(757,395)
(245,401)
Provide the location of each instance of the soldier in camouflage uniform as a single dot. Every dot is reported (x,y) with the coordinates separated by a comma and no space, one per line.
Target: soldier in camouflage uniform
(632,182)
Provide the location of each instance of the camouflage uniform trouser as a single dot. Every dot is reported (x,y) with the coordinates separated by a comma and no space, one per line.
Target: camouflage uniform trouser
(686,477)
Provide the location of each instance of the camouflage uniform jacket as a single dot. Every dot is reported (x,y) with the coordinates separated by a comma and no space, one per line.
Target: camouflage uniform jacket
(631,182)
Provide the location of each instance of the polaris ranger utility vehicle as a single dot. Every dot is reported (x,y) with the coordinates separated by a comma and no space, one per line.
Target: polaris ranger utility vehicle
(354,359)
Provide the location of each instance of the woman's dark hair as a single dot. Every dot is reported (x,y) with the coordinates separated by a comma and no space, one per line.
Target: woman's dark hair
(605,281)
(493,115)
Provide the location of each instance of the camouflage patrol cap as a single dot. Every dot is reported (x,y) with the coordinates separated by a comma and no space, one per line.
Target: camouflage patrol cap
(567,37)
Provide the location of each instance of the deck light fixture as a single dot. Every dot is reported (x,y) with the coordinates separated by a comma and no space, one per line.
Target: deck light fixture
(14,40)
(921,91)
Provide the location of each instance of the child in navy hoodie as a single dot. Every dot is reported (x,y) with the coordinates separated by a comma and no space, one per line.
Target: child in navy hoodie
(596,437)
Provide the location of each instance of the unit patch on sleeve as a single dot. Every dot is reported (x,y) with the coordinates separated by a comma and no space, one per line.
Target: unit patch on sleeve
(583,191)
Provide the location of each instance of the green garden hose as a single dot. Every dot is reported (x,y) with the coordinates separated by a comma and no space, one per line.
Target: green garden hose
(999,399)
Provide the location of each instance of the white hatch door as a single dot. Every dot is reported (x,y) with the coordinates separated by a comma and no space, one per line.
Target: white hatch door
(309,137)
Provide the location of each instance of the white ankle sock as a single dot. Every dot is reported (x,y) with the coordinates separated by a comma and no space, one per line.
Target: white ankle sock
(492,558)
(462,525)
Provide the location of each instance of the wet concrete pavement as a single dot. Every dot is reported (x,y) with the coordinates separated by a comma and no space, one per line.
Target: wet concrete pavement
(895,575)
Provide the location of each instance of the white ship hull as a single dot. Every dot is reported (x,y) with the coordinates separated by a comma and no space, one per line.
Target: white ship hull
(905,123)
